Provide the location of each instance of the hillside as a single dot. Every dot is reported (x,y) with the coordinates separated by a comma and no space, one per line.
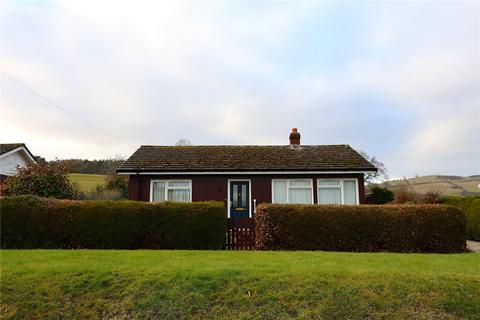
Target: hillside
(446,185)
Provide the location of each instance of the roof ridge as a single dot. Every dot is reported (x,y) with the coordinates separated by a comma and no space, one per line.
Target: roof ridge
(12,143)
(8,147)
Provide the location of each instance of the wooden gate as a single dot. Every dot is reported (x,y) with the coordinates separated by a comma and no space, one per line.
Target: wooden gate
(240,234)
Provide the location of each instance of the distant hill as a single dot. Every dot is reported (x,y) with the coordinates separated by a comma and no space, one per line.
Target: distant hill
(446,185)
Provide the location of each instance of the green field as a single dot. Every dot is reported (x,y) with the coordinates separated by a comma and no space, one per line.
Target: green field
(445,185)
(87,181)
(81,284)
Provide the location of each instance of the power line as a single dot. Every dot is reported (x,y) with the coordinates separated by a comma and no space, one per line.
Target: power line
(59,107)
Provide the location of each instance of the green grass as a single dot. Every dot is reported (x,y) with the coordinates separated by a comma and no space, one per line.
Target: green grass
(71,284)
(87,181)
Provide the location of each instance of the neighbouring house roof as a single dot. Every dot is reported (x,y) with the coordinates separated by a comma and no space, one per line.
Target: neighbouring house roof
(245,158)
(8,147)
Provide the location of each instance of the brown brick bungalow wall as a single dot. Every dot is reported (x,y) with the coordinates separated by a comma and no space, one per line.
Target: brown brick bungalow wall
(214,187)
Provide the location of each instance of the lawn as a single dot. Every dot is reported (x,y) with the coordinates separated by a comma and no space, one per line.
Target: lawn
(87,181)
(80,284)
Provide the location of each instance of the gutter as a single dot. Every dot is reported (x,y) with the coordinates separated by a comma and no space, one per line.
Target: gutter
(137,173)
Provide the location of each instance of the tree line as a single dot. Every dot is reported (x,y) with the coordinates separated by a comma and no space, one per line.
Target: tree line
(102,166)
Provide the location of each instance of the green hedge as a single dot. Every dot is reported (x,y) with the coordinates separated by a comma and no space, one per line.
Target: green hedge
(394,228)
(471,207)
(32,222)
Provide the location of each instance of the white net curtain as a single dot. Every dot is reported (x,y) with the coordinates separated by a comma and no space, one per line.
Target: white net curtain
(330,191)
(175,191)
(292,191)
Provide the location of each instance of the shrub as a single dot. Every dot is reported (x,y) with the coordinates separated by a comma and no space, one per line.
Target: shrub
(43,180)
(471,206)
(405,196)
(115,182)
(114,188)
(32,222)
(395,228)
(379,195)
(101,192)
(432,197)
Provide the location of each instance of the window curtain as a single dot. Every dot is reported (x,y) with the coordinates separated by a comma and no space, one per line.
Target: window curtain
(329,196)
(279,192)
(329,182)
(300,195)
(349,192)
(300,183)
(179,195)
(178,184)
(158,193)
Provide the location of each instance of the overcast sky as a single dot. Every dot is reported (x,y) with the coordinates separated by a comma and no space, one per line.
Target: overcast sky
(398,80)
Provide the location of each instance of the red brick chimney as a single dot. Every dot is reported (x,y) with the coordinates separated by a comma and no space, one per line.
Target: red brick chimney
(294,137)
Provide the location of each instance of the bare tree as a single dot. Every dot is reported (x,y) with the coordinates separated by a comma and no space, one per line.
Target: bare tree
(381,174)
(183,143)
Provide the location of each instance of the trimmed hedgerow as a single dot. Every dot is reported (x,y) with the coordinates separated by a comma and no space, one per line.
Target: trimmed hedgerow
(394,228)
(471,207)
(32,222)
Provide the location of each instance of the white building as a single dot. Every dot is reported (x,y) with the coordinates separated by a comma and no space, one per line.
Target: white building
(13,155)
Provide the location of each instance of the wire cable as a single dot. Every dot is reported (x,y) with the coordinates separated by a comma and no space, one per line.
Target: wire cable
(11,78)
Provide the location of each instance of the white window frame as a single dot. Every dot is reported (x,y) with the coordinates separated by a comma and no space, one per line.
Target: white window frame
(166,181)
(287,181)
(249,196)
(342,196)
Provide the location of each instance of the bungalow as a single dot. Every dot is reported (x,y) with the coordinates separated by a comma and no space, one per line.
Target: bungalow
(244,176)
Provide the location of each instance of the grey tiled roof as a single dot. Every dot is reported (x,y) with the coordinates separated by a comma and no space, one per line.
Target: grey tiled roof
(245,158)
(6,147)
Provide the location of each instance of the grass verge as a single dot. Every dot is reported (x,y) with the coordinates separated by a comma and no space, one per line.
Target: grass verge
(91,284)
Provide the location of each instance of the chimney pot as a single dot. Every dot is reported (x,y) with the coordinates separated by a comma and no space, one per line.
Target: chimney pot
(294,137)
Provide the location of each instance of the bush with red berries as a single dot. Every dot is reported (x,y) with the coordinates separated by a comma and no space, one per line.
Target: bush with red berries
(49,180)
